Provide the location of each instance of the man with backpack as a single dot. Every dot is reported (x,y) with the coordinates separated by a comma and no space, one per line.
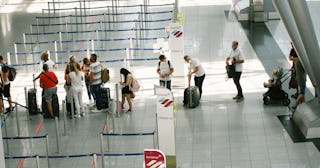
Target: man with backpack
(95,80)
(164,71)
(5,83)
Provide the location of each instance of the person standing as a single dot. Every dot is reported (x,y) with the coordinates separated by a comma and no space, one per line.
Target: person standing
(48,81)
(301,78)
(293,82)
(45,60)
(75,78)
(195,68)
(86,69)
(5,83)
(237,60)
(95,80)
(164,71)
(126,92)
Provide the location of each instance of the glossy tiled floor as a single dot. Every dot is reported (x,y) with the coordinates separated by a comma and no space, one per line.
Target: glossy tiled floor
(220,133)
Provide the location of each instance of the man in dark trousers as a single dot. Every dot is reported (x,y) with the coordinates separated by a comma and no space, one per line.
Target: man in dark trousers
(236,59)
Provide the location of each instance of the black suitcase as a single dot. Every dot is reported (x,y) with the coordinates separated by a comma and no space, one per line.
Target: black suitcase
(32,102)
(55,106)
(105,94)
(68,106)
(191,97)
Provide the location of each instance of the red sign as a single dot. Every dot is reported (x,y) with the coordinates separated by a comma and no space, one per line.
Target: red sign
(154,158)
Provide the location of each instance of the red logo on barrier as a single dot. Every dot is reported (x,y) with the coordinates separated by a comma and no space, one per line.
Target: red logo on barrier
(166,102)
(154,158)
(177,33)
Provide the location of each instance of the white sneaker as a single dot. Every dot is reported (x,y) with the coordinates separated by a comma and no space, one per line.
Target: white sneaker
(77,116)
(96,111)
(83,114)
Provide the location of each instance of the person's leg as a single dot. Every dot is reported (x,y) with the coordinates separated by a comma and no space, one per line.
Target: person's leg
(80,100)
(198,81)
(169,84)
(302,91)
(49,107)
(236,80)
(129,101)
(76,102)
(6,93)
(97,93)
(162,83)
(88,91)
(92,92)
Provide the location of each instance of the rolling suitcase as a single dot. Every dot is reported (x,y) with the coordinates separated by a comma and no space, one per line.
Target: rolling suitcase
(105,94)
(55,106)
(32,101)
(191,97)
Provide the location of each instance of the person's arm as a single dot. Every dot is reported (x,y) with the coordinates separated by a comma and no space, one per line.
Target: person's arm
(170,72)
(68,79)
(4,77)
(227,60)
(159,73)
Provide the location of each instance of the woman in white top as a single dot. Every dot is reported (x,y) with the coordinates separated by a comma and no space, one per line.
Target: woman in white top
(75,78)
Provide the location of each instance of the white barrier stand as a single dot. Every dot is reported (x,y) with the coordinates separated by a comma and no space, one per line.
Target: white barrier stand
(8,58)
(56,50)
(16,53)
(101,148)
(165,123)
(92,45)
(27,102)
(2,161)
(95,161)
(38,161)
(64,117)
(57,134)
(17,119)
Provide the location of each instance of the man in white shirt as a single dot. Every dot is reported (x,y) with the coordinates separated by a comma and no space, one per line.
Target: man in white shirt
(164,71)
(236,58)
(45,60)
(195,68)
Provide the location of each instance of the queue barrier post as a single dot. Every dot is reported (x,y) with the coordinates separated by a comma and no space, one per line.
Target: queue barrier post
(57,134)
(64,113)
(47,150)
(101,148)
(95,161)
(38,161)
(27,102)
(17,119)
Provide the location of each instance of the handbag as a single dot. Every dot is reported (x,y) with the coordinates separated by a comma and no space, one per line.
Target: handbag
(231,70)
(132,95)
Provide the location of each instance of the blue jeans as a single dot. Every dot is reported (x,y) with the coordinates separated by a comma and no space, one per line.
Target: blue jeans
(96,92)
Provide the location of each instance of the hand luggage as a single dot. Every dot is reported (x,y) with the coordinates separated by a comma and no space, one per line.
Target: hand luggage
(55,106)
(105,94)
(32,102)
(191,97)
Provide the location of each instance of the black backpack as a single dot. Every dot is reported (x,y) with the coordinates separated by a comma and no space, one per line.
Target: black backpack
(12,71)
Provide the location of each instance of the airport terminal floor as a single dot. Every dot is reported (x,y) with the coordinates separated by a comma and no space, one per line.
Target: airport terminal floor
(219,133)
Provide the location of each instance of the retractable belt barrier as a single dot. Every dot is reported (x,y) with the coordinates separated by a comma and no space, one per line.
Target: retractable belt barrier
(94,31)
(99,22)
(102,14)
(103,7)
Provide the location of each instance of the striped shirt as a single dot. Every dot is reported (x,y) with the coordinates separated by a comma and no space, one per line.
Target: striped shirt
(95,68)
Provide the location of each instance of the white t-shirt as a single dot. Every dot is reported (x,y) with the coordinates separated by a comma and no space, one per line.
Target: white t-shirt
(50,64)
(235,54)
(196,63)
(76,82)
(164,68)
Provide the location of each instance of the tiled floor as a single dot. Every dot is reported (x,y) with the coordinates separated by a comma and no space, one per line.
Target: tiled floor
(219,133)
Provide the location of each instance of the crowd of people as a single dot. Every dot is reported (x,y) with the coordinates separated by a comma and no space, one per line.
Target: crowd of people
(90,72)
